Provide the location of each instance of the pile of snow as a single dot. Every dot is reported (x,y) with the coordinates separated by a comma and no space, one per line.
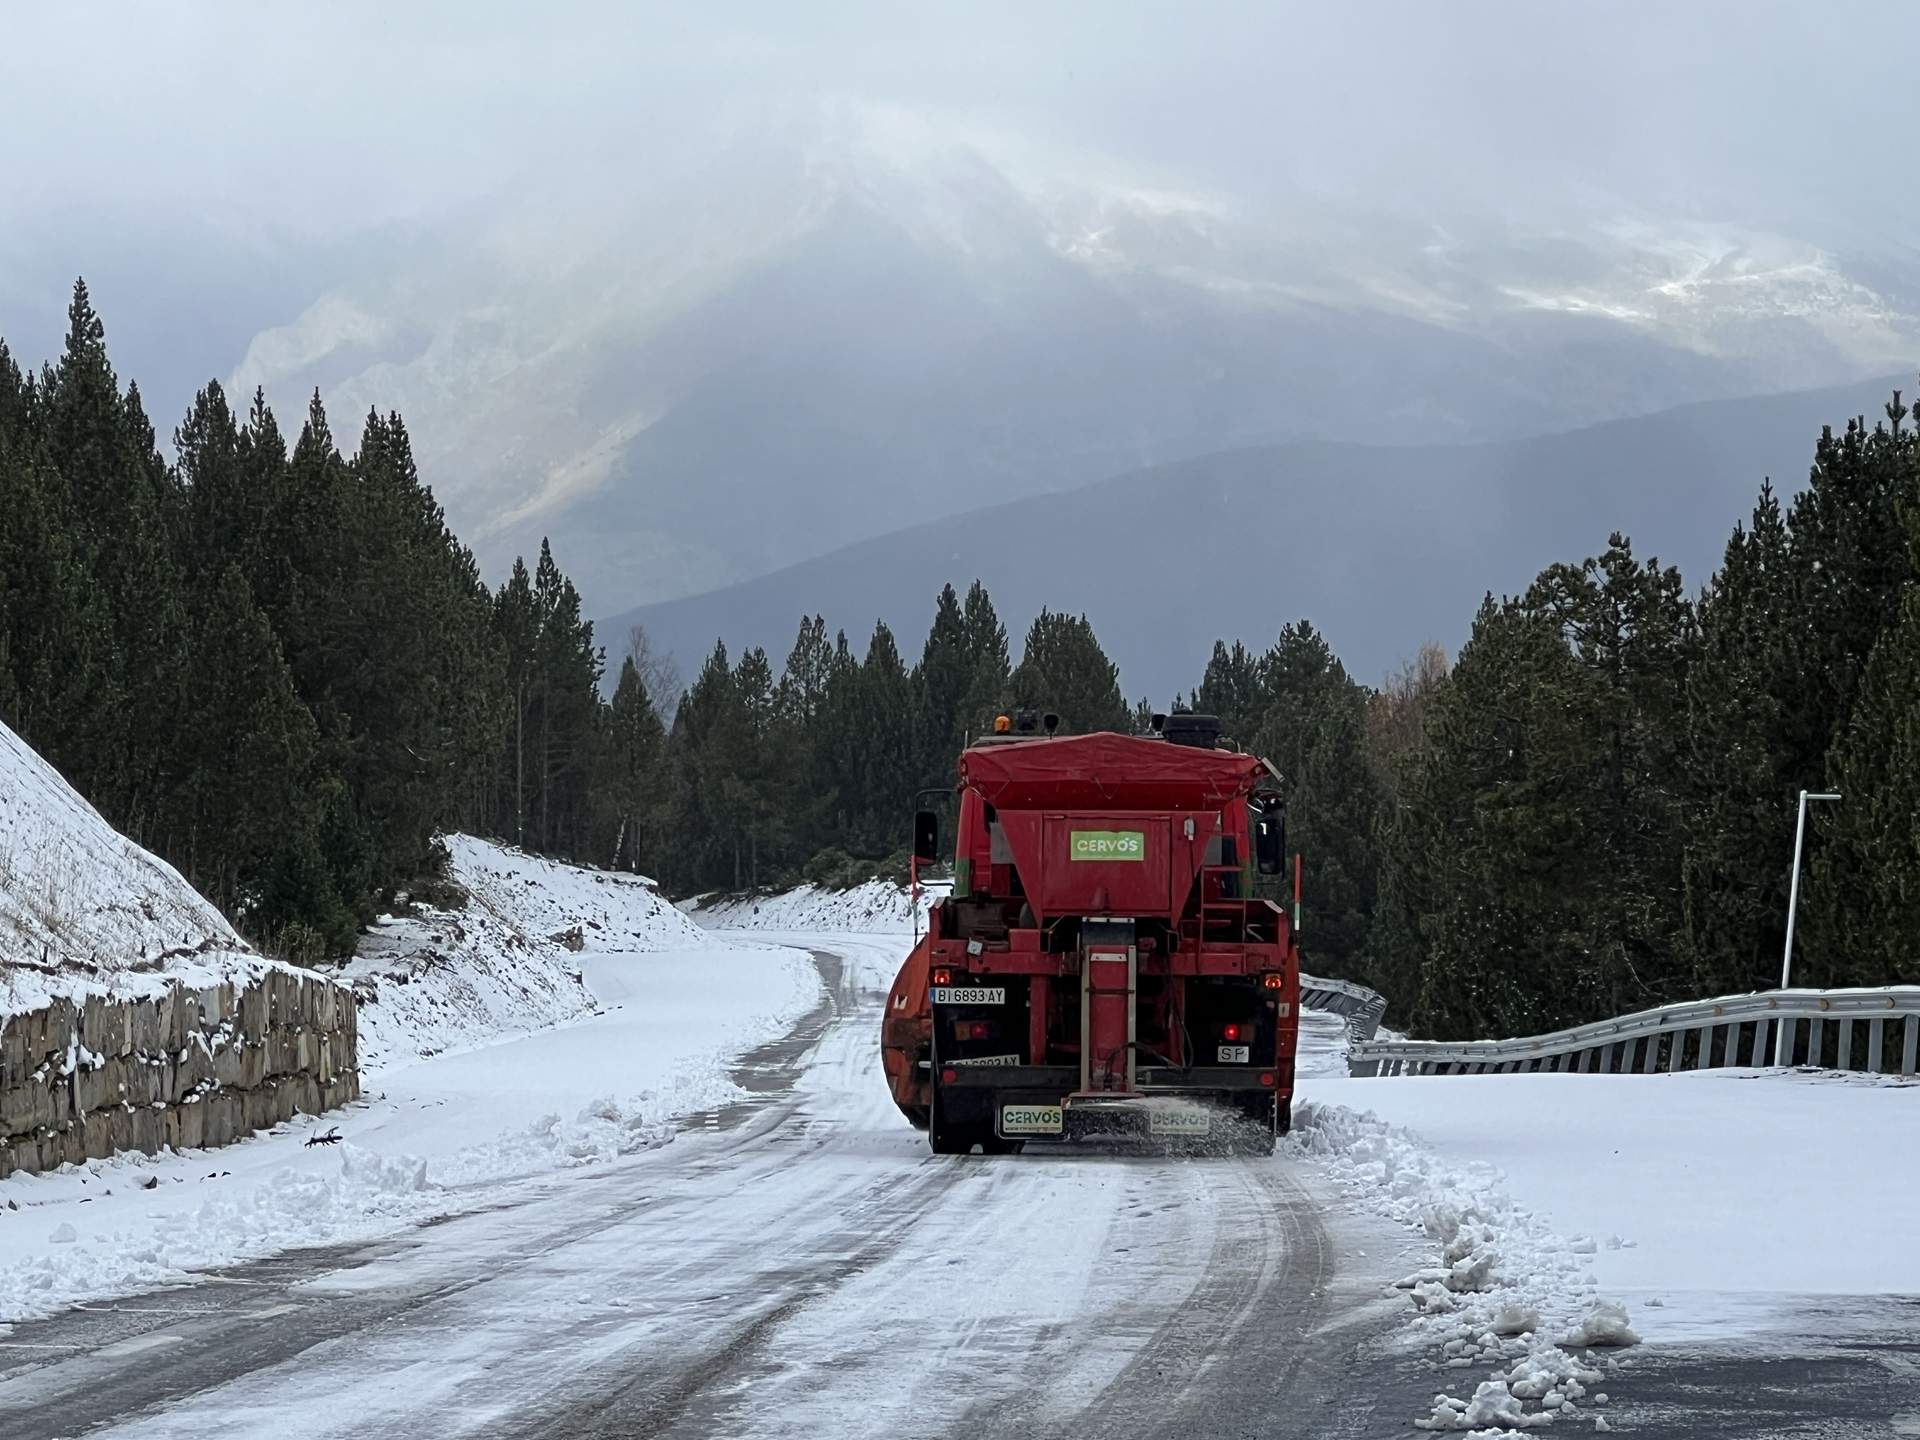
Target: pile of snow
(1503,1289)
(84,910)
(1674,1184)
(1667,1193)
(435,980)
(876,907)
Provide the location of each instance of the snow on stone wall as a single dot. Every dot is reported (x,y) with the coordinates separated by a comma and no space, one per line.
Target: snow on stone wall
(181,1067)
(132,1015)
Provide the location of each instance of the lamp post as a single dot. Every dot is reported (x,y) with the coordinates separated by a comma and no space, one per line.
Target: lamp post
(1793,904)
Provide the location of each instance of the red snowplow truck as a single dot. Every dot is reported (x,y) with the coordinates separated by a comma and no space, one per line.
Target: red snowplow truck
(1102,967)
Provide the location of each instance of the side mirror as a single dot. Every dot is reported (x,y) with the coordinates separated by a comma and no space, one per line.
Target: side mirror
(926,836)
(1270,839)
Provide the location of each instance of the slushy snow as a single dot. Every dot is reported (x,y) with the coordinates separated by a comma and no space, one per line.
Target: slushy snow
(653,1012)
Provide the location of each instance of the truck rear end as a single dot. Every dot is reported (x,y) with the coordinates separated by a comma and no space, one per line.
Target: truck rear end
(1102,967)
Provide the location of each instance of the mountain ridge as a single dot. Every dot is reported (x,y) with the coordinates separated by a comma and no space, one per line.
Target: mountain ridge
(1675,482)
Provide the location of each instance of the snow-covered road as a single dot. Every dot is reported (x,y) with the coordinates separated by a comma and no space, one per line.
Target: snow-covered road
(797,1264)
(803,1268)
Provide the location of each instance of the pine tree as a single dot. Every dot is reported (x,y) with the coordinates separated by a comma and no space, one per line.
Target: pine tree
(63,693)
(1333,810)
(516,627)
(633,781)
(1063,670)
(762,777)
(883,732)
(1300,681)
(1484,861)
(987,693)
(1233,688)
(221,529)
(942,681)
(1867,873)
(1861,900)
(1740,761)
(251,755)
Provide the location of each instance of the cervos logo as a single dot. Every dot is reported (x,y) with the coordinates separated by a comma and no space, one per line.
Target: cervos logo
(1107,845)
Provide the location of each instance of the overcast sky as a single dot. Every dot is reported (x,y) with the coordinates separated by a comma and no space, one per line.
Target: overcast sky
(332,118)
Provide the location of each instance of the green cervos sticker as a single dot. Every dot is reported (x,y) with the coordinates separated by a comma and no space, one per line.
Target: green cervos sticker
(1107,845)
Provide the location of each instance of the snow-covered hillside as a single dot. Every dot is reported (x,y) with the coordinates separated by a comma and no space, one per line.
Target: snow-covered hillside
(75,890)
(509,961)
(876,906)
(84,910)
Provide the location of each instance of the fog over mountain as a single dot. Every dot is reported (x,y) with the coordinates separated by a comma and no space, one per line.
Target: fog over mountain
(1382,547)
(702,298)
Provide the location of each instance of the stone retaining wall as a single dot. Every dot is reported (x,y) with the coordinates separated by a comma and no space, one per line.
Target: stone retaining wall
(198,1066)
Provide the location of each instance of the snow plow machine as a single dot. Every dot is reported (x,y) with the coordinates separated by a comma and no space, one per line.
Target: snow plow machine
(1102,968)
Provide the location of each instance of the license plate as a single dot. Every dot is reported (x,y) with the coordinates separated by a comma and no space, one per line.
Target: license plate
(1235,1054)
(1181,1121)
(969,994)
(1032,1119)
(986,1060)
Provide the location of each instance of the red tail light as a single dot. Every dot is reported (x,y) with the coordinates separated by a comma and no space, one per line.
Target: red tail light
(973,1030)
(1274,980)
(949,1075)
(1266,1077)
(943,977)
(1231,1033)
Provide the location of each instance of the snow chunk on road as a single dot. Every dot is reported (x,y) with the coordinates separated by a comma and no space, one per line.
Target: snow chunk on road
(1512,1320)
(1604,1324)
(1492,1405)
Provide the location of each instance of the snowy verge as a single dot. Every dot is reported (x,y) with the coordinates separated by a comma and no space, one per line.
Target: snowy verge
(1672,1194)
(1729,1189)
(1503,1292)
(876,907)
(509,961)
(433,1137)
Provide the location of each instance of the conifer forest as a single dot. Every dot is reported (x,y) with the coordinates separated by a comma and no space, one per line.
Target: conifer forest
(269,660)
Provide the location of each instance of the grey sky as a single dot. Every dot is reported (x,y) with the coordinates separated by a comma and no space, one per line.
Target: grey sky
(330,119)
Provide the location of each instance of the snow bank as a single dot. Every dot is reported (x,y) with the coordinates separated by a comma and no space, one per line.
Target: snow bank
(1669,1194)
(510,961)
(1501,1279)
(1715,1191)
(84,910)
(877,907)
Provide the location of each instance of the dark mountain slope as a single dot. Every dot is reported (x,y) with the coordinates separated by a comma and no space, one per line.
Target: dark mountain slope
(1381,546)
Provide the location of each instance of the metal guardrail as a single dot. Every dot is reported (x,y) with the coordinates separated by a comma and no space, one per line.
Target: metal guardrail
(1361,1006)
(1692,1035)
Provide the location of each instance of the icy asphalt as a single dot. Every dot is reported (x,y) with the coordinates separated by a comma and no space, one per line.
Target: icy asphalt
(798,1265)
